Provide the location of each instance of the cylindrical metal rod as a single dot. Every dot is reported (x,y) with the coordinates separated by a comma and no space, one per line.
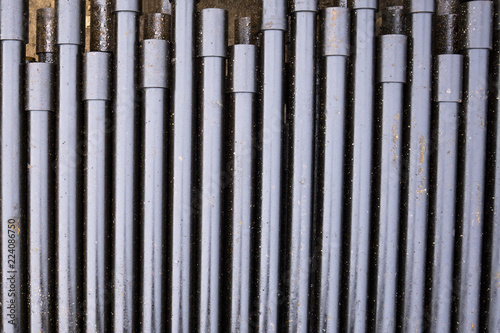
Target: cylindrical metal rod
(96,99)
(358,165)
(268,195)
(238,161)
(124,178)
(387,176)
(477,30)
(208,174)
(335,42)
(13,38)
(69,20)
(299,182)
(180,168)
(46,48)
(165,7)
(154,85)
(416,138)
(492,216)
(101,25)
(447,99)
(40,107)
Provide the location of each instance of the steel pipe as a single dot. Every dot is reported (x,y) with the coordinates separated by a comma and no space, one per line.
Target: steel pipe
(447,99)
(69,25)
(416,156)
(40,107)
(335,50)
(477,29)
(180,168)
(358,165)
(46,48)
(387,173)
(125,155)
(208,175)
(299,178)
(238,160)
(13,38)
(267,234)
(101,26)
(96,102)
(154,78)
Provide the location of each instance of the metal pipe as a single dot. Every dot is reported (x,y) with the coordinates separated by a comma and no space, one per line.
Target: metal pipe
(267,234)
(68,165)
(391,80)
(13,38)
(358,165)
(46,48)
(96,101)
(101,26)
(416,156)
(447,98)
(154,78)
(335,42)
(492,213)
(180,168)
(477,29)
(299,190)
(238,160)
(208,175)
(40,107)
(125,155)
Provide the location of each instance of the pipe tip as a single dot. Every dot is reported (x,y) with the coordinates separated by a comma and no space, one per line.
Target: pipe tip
(46,30)
(156,26)
(243,30)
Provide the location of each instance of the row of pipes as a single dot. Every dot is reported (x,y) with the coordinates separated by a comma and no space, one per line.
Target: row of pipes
(335,171)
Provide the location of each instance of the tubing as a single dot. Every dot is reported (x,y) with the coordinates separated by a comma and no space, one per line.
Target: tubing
(208,175)
(68,161)
(299,192)
(124,187)
(46,35)
(101,25)
(472,162)
(387,176)
(358,172)
(180,168)
(492,214)
(40,107)
(416,137)
(268,184)
(447,98)
(154,85)
(13,37)
(335,27)
(96,101)
(239,130)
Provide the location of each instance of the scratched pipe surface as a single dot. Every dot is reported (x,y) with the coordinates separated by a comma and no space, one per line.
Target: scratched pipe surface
(358,172)
(299,192)
(477,30)
(238,158)
(180,168)
(13,38)
(335,26)
(387,171)
(46,35)
(154,86)
(209,172)
(268,180)
(40,110)
(416,137)
(69,18)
